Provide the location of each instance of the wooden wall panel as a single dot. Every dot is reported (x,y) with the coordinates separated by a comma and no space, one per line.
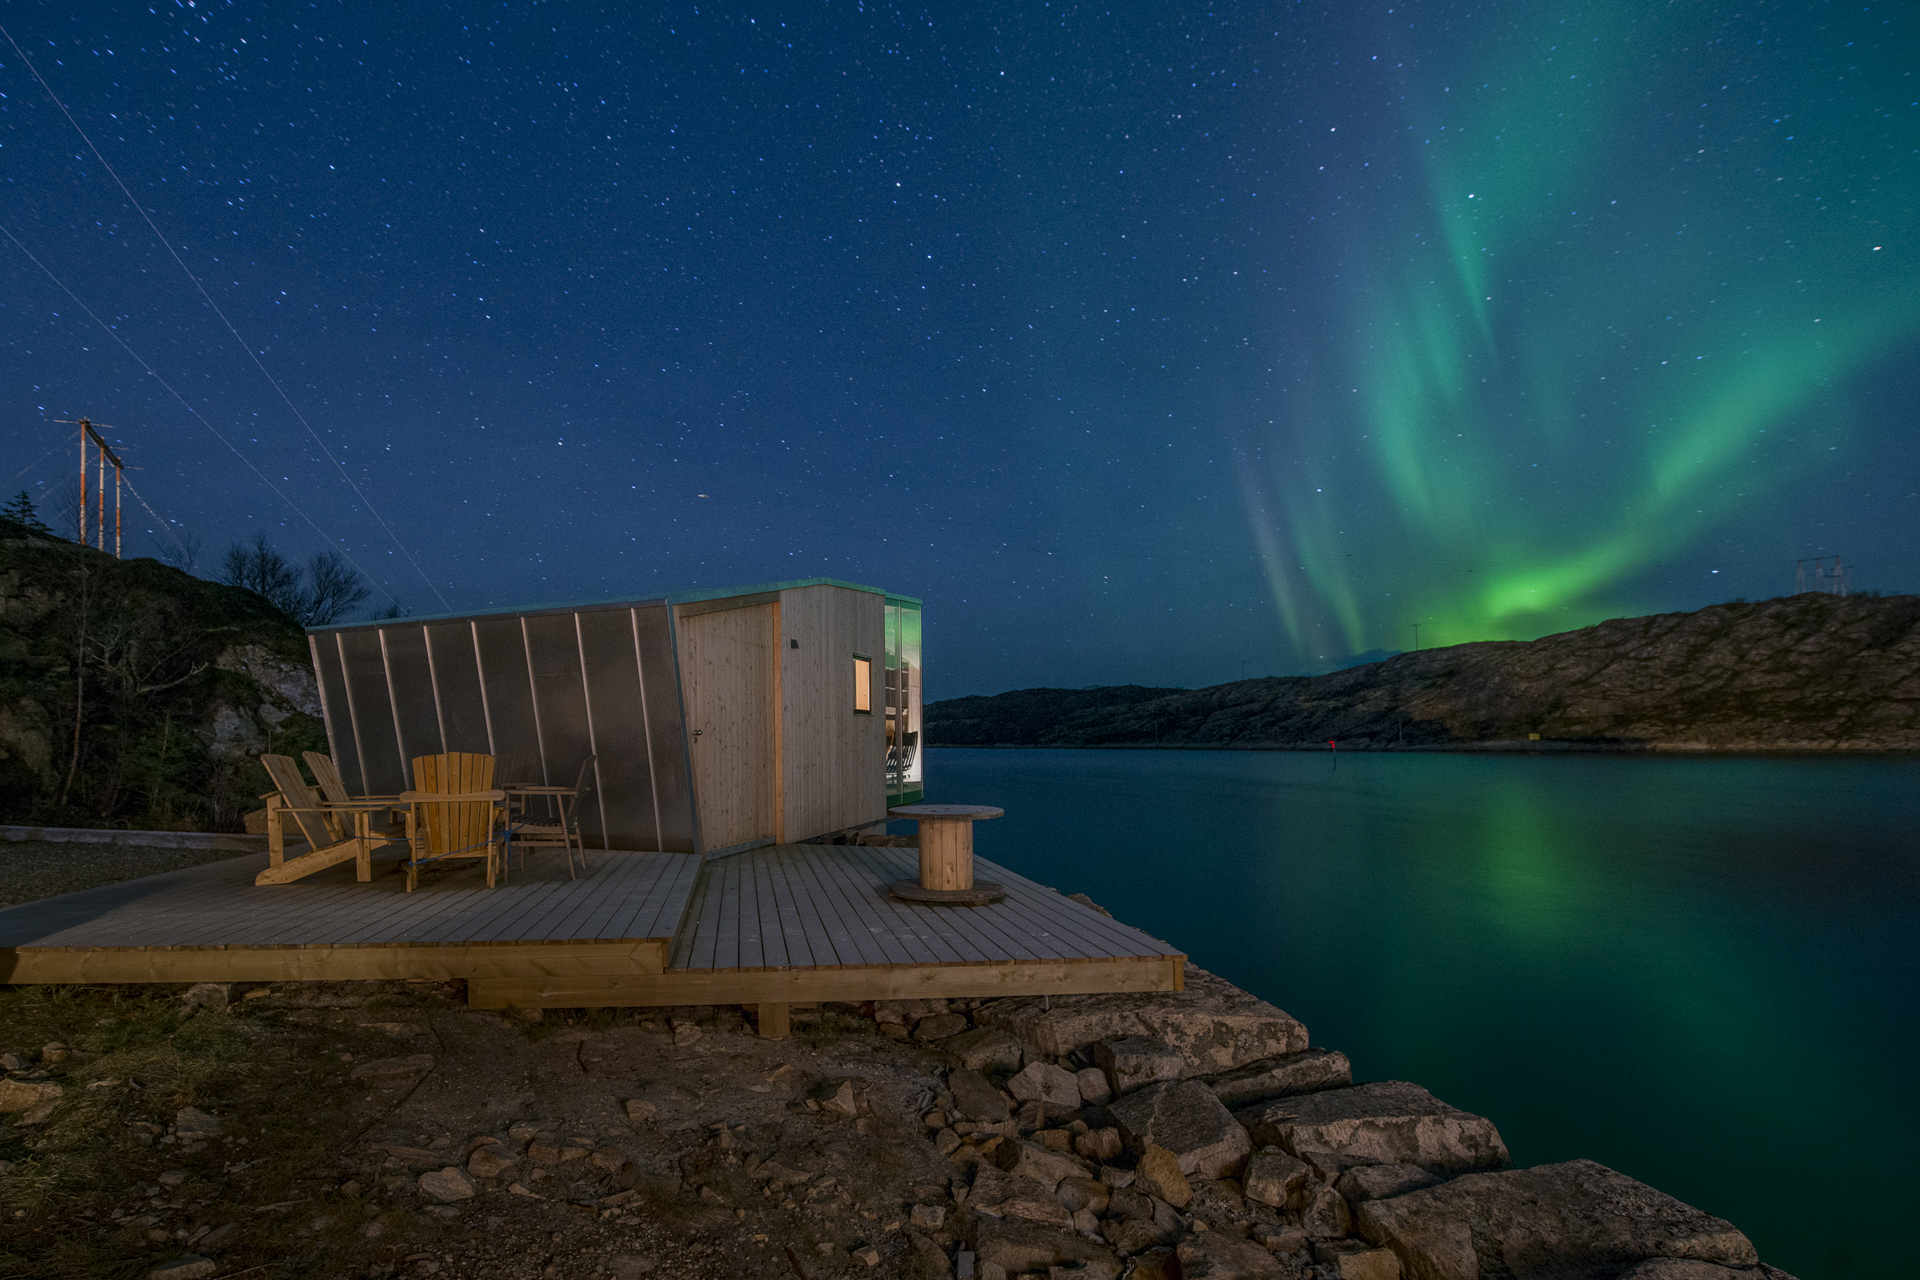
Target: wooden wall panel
(833,762)
(728,680)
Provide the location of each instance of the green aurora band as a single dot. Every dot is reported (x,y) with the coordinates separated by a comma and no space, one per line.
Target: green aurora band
(1649,259)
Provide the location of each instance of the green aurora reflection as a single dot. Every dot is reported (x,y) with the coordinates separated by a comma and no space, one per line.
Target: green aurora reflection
(1616,285)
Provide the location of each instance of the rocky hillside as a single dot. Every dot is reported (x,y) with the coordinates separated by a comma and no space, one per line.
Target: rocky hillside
(1800,673)
(135,695)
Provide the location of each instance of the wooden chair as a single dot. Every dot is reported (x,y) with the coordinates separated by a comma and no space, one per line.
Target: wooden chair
(563,831)
(323,823)
(327,776)
(453,811)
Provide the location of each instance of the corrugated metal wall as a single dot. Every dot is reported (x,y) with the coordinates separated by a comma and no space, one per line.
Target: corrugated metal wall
(555,686)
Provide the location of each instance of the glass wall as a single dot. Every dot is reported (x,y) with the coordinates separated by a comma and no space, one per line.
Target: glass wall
(905,768)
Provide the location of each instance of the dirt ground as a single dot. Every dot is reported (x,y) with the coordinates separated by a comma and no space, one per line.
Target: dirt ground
(284,1130)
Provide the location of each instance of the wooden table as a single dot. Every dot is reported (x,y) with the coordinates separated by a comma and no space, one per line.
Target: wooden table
(946,856)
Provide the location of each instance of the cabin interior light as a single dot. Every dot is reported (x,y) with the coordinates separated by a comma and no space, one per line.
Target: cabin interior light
(862,685)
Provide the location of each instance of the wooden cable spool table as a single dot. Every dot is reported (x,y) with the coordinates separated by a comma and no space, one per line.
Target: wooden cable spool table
(946,856)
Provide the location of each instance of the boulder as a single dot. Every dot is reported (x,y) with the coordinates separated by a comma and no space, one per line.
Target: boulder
(1094,1087)
(1018,1247)
(1133,1062)
(1213,1024)
(976,1099)
(1324,1213)
(192,1122)
(1694,1269)
(986,1050)
(1099,1144)
(1185,1118)
(489,1162)
(1044,1082)
(24,1095)
(1160,1172)
(1137,1235)
(1389,1123)
(1005,1195)
(446,1185)
(1275,1178)
(1574,1221)
(1366,1182)
(1155,1264)
(939,1026)
(208,995)
(1084,1193)
(1030,1160)
(1290,1073)
(1356,1260)
(1209,1255)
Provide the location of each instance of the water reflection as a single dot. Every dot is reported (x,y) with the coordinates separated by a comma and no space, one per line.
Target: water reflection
(1700,971)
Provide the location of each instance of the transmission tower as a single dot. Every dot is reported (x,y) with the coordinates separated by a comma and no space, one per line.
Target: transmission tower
(1828,576)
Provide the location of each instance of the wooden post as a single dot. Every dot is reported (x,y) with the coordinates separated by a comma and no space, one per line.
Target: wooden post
(116,508)
(83,481)
(100,525)
(775,1021)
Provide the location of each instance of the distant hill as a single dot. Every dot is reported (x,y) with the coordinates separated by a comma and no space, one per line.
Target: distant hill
(177,686)
(1801,673)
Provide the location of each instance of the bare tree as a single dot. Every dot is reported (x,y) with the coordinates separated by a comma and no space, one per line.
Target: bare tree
(259,568)
(181,549)
(333,588)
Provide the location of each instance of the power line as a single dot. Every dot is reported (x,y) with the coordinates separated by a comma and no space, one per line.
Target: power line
(151,372)
(271,380)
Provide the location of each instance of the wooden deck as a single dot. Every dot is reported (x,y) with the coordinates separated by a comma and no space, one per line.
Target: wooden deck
(778,925)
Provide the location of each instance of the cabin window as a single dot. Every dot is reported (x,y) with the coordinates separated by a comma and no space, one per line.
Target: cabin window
(862,685)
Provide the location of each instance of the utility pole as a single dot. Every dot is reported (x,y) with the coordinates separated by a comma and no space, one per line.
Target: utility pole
(102,456)
(1416,635)
(1826,580)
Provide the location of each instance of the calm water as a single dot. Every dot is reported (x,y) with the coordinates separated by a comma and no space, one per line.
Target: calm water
(1702,972)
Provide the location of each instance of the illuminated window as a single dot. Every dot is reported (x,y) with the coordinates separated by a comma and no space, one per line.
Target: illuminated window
(862,685)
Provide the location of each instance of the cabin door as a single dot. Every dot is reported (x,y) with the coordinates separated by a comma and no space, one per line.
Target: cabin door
(727,672)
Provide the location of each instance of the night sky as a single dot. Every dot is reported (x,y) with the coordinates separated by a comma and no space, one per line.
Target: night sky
(1153,343)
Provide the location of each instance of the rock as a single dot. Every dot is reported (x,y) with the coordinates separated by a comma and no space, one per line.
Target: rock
(1030,1160)
(976,1099)
(867,1254)
(939,1026)
(1388,1123)
(1137,1235)
(446,1185)
(685,1033)
(1209,1255)
(1161,1172)
(1100,1144)
(1133,1062)
(629,1266)
(1185,1118)
(1006,1196)
(1095,1090)
(928,1217)
(1305,1072)
(1574,1220)
(489,1162)
(387,1068)
(1379,1181)
(1044,1082)
(192,1122)
(1694,1269)
(24,1095)
(1084,1193)
(1276,1179)
(1324,1213)
(1156,1264)
(208,995)
(986,1049)
(172,1178)
(843,1100)
(1017,1247)
(16,1061)
(638,1110)
(1128,1203)
(1356,1260)
(191,1267)
(1213,1024)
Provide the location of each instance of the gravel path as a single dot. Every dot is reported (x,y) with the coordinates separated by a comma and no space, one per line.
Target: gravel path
(33,869)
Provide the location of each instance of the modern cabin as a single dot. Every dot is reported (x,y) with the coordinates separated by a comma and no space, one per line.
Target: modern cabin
(718,721)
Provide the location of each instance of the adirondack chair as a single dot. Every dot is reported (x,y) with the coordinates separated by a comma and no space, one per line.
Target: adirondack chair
(324,825)
(453,811)
(327,775)
(560,826)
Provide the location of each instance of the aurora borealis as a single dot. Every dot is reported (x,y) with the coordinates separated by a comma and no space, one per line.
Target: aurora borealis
(1145,343)
(1612,291)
